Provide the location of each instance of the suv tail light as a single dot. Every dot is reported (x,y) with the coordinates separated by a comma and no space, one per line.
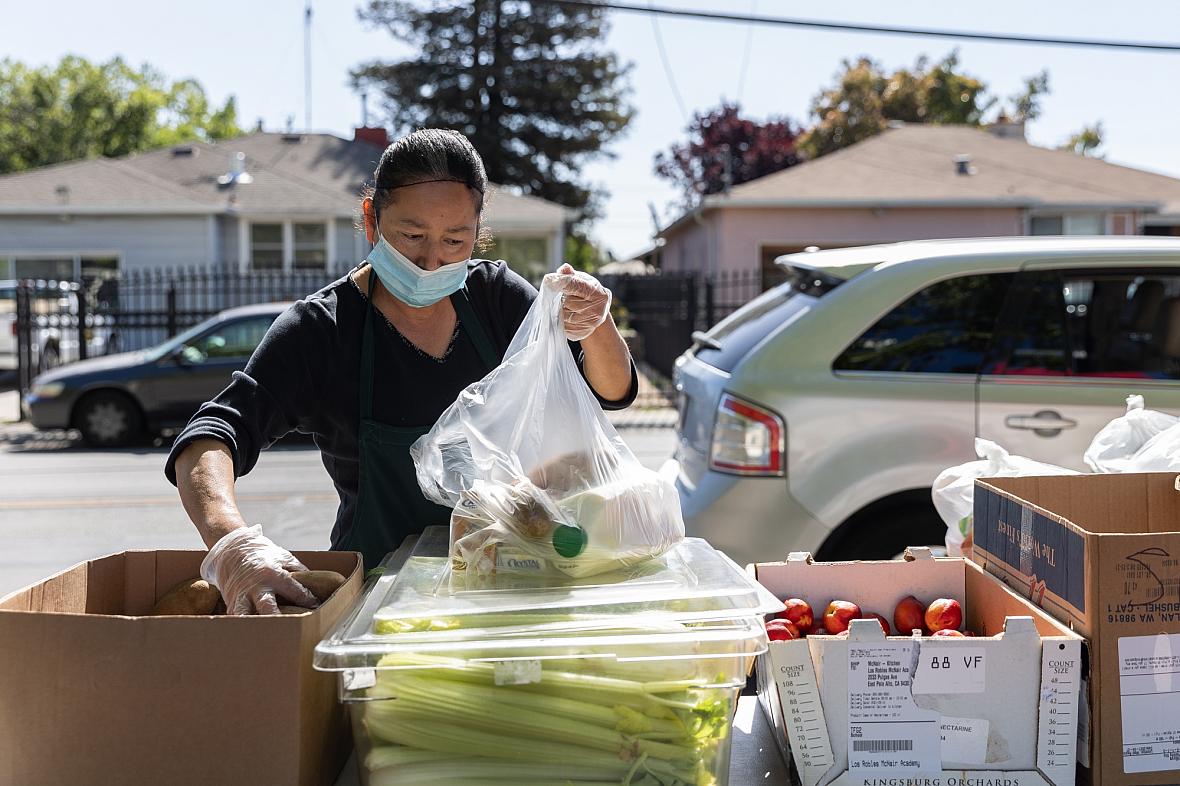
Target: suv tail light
(747,439)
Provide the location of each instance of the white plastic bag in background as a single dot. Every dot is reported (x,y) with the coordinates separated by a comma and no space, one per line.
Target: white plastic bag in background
(541,481)
(1114,448)
(954,489)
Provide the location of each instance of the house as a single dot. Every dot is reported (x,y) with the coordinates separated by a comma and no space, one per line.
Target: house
(916,182)
(260,202)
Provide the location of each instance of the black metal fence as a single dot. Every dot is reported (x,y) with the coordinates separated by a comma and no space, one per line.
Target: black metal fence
(667,308)
(60,322)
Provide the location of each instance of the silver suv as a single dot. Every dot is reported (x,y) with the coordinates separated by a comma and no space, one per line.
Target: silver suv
(818,415)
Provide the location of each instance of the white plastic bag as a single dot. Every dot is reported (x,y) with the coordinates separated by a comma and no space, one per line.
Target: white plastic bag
(1114,448)
(540,481)
(1161,453)
(954,489)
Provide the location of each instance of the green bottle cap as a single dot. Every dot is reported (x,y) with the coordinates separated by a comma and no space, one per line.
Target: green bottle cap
(569,541)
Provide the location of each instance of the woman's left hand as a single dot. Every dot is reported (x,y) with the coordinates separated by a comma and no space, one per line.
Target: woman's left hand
(585,303)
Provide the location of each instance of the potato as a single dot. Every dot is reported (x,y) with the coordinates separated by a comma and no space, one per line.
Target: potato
(321,583)
(293,610)
(191,597)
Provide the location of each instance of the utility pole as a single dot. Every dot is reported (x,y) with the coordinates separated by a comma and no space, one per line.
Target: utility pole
(307,66)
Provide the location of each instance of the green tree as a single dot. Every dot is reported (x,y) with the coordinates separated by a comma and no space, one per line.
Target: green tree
(582,254)
(865,98)
(78,109)
(1026,105)
(528,83)
(1087,141)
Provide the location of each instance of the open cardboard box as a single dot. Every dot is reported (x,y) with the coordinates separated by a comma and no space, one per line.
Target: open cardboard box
(994,709)
(1102,554)
(92,692)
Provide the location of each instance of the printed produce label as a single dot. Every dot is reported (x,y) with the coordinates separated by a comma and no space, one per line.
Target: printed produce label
(950,669)
(1149,684)
(886,730)
(964,740)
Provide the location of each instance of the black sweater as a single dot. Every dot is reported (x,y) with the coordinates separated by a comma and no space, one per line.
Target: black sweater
(305,377)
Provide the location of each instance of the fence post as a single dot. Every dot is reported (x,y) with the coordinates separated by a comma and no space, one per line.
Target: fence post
(24,334)
(710,308)
(80,292)
(171,327)
(691,316)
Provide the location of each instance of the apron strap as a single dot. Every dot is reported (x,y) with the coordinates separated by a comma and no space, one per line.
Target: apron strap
(366,386)
(475,330)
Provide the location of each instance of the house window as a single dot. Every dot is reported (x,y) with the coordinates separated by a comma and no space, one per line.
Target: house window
(287,245)
(311,246)
(1068,224)
(266,246)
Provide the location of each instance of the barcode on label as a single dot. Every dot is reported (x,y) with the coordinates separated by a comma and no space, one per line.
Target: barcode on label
(882,746)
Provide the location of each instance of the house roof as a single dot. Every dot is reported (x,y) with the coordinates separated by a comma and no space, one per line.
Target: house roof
(291,174)
(915,166)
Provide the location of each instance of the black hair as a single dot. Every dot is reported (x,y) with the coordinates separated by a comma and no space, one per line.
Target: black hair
(425,156)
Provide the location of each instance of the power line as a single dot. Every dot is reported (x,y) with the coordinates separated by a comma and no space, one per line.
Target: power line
(850,27)
(746,54)
(671,76)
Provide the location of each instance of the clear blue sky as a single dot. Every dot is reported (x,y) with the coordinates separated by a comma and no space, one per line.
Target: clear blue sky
(254,50)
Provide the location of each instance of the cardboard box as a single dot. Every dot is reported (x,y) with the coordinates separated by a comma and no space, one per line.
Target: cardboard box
(92,693)
(993,710)
(1102,553)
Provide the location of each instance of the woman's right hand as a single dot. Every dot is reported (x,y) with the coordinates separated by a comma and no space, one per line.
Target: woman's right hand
(252,572)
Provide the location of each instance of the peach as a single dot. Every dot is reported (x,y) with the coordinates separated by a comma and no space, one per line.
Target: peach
(944,614)
(799,612)
(782,630)
(838,614)
(948,633)
(868,615)
(908,616)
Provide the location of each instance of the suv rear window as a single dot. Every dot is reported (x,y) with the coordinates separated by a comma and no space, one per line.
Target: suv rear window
(733,338)
(944,329)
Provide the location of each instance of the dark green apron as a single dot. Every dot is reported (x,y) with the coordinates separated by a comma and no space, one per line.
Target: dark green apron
(389,503)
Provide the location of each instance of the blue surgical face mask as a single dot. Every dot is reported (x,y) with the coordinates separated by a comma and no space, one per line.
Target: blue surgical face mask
(411,284)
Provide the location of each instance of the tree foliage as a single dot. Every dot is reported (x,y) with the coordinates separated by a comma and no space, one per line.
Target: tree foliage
(528,83)
(865,98)
(78,109)
(725,149)
(1087,141)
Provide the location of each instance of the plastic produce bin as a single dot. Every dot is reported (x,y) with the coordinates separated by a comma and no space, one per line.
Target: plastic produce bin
(623,678)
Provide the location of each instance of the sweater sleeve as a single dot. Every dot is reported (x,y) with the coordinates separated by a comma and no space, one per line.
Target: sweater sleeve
(515,296)
(279,391)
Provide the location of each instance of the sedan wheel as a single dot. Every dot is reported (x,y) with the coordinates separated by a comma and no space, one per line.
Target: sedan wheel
(109,420)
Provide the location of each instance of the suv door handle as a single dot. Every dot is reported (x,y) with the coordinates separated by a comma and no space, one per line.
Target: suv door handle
(1045,423)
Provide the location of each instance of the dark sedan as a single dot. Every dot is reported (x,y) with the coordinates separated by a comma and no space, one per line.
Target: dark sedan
(119,399)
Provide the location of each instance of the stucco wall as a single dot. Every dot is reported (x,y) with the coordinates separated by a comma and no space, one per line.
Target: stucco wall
(740,234)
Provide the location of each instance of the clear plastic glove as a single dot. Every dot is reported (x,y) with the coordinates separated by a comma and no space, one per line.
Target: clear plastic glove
(585,303)
(251,572)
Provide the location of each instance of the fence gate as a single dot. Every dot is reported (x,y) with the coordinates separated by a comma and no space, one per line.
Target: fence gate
(53,326)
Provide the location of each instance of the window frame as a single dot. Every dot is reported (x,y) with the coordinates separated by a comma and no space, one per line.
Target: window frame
(246,245)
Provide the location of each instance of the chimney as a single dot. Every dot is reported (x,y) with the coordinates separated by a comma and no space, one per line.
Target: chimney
(1006,129)
(378,137)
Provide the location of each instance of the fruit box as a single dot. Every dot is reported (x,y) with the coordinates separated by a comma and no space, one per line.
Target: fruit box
(91,691)
(999,709)
(1102,554)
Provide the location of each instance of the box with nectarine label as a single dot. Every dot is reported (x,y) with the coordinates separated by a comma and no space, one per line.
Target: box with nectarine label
(1101,553)
(917,671)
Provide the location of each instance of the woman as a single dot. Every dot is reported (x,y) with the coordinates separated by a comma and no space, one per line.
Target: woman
(367,365)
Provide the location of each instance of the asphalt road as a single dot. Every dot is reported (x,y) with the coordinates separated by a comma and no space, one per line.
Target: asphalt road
(61,503)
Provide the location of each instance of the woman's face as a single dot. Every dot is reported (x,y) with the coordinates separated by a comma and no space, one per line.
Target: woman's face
(433,224)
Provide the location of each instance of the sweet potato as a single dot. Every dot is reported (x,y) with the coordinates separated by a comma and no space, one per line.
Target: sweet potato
(293,610)
(191,597)
(321,583)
